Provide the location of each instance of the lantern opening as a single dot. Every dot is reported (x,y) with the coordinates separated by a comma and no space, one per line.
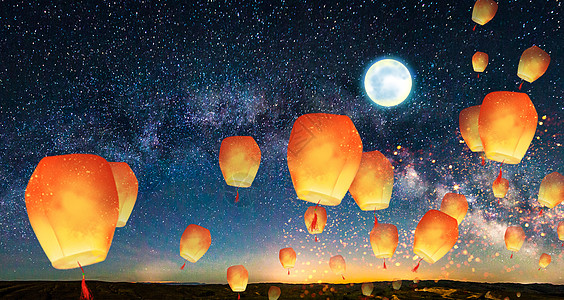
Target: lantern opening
(86,257)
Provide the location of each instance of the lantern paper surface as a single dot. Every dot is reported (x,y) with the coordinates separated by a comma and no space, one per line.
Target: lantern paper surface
(551,192)
(73,207)
(468,122)
(324,154)
(237,277)
(533,63)
(274,293)
(507,125)
(127,187)
(484,11)
(560,230)
(367,288)
(480,61)
(319,224)
(384,240)
(372,186)
(544,260)
(435,235)
(287,258)
(239,160)
(194,243)
(337,264)
(500,187)
(455,205)
(514,238)
(396,284)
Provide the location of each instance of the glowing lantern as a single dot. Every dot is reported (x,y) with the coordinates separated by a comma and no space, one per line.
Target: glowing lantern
(532,64)
(127,186)
(194,243)
(239,160)
(367,288)
(384,240)
(396,284)
(551,192)
(500,186)
(315,219)
(274,293)
(479,62)
(507,125)
(287,258)
(560,231)
(455,205)
(324,153)
(483,11)
(435,235)
(337,265)
(544,260)
(237,277)
(373,183)
(468,122)
(514,238)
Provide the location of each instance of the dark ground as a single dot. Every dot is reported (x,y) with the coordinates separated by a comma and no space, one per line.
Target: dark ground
(382,290)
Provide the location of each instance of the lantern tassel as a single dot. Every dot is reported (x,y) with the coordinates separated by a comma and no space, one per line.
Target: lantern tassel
(539,269)
(85,293)
(511,255)
(313,226)
(562,245)
(237,196)
(478,75)
(474,29)
(184,265)
(375,219)
(288,272)
(343,276)
(417,267)
(483,160)
(521,85)
(385,268)
(238,296)
(540,213)
(316,239)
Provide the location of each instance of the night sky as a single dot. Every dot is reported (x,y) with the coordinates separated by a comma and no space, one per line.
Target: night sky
(159,86)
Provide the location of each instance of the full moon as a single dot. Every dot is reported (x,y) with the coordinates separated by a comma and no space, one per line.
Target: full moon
(387,82)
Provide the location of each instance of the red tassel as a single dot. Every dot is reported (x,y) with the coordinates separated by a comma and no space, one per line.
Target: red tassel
(343,276)
(385,268)
(562,245)
(539,269)
(540,213)
(237,196)
(375,219)
(521,85)
(416,267)
(182,268)
(85,293)
(511,255)
(483,160)
(238,296)
(316,239)
(288,271)
(474,29)
(313,226)
(478,75)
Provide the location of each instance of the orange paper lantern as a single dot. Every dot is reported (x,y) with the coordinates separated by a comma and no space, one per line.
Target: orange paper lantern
(384,240)
(560,231)
(337,265)
(315,219)
(532,64)
(455,205)
(551,192)
(372,186)
(544,260)
(239,160)
(435,235)
(396,284)
(287,258)
(194,243)
(274,293)
(127,187)
(73,207)
(514,238)
(507,125)
(480,61)
(483,11)
(367,288)
(500,186)
(237,277)
(468,122)
(324,154)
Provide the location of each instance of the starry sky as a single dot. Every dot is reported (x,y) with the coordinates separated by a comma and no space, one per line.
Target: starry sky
(159,86)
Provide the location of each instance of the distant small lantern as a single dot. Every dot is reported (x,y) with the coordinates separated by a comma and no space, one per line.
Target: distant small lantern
(338,265)
(468,124)
(367,289)
(237,277)
(544,260)
(194,243)
(479,62)
(455,205)
(396,284)
(239,161)
(373,183)
(315,219)
(533,64)
(274,293)
(127,187)
(500,186)
(551,192)
(514,238)
(384,241)
(287,258)
(483,11)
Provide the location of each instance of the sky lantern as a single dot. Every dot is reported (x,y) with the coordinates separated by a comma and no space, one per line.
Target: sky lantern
(73,207)
(455,205)
(532,64)
(367,288)
(544,260)
(514,238)
(435,235)
(468,125)
(274,293)
(483,11)
(560,231)
(338,265)
(237,277)
(315,219)
(127,187)
(324,154)
(551,192)
(479,62)
(372,186)
(239,160)
(507,125)
(396,284)
(384,240)
(194,243)
(287,258)
(500,185)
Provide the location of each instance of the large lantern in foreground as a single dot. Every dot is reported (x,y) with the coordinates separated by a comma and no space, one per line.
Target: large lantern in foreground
(127,187)
(483,11)
(551,192)
(544,260)
(73,207)
(338,265)
(468,124)
(373,183)
(315,219)
(532,64)
(455,205)
(479,62)
(434,236)
(507,125)
(384,240)
(287,258)
(324,153)
(239,160)
(194,243)
(237,277)
(514,238)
